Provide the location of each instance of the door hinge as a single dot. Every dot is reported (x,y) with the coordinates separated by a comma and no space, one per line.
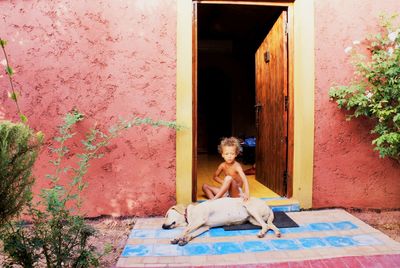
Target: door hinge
(267,56)
(286,103)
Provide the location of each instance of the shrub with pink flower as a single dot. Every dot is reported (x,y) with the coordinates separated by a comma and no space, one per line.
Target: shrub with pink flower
(375,88)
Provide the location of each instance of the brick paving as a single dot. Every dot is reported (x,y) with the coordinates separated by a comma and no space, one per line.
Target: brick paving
(324,238)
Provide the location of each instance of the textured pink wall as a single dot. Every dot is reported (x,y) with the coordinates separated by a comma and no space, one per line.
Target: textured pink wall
(347,172)
(112,58)
(108,59)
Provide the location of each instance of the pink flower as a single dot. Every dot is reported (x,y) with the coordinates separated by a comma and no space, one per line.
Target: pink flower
(347,50)
(393,35)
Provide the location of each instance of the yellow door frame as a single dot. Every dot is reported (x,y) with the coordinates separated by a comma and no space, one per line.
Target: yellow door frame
(303,103)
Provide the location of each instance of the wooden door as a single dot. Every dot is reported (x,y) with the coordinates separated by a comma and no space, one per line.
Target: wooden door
(271,108)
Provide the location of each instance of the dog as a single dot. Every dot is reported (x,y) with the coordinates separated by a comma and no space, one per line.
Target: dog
(201,217)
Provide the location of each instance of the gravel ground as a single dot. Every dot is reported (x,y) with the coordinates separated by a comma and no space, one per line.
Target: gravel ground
(388,222)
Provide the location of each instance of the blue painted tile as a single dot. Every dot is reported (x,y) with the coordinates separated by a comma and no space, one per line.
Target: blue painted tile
(286,208)
(344,225)
(320,226)
(205,234)
(136,233)
(281,208)
(295,208)
(170,233)
(227,248)
(255,246)
(366,240)
(217,232)
(285,230)
(197,249)
(137,250)
(300,229)
(312,242)
(284,244)
(340,241)
(167,250)
(249,232)
(272,198)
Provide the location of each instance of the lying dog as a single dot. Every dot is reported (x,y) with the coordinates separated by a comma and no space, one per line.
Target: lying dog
(213,213)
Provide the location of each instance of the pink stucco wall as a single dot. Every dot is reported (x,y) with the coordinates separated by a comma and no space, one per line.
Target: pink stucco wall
(108,59)
(118,58)
(347,172)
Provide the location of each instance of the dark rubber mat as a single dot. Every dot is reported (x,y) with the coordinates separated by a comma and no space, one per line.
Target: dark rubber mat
(281,220)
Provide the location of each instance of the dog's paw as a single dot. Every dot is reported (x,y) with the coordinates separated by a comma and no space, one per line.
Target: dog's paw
(278,234)
(175,241)
(182,242)
(260,235)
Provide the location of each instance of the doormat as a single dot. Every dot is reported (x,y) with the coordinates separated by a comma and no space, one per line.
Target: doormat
(281,220)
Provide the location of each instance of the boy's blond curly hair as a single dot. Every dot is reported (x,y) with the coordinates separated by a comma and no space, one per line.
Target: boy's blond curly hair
(232,141)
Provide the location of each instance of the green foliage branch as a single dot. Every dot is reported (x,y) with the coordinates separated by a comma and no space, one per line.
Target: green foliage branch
(58,235)
(10,72)
(19,148)
(374,91)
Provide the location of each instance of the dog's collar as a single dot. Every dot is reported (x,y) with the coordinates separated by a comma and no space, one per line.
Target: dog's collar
(185,215)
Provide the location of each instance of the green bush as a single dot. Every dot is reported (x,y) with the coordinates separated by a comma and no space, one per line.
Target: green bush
(375,89)
(18,151)
(58,235)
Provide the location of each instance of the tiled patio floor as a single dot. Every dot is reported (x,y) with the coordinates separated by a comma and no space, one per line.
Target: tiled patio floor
(325,238)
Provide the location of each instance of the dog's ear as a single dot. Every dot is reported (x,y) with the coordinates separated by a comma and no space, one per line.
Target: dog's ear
(179,208)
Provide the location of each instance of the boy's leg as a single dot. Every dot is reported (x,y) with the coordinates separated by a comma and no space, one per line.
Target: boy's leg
(224,188)
(234,189)
(210,191)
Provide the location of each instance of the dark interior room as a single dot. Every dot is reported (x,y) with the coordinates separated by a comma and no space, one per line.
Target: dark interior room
(228,37)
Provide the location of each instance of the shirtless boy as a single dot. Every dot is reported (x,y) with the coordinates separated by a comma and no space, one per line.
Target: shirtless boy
(235,180)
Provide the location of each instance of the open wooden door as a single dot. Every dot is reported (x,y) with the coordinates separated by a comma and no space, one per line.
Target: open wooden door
(272,108)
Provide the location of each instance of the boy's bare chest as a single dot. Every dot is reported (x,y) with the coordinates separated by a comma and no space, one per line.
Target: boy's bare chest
(230,170)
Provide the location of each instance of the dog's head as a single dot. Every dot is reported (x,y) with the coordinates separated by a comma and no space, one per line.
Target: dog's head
(175,217)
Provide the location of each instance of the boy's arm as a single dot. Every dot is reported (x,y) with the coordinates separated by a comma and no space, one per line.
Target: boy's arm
(246,187)
(217,173)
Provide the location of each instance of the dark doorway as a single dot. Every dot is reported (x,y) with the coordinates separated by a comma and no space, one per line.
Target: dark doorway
(228,37)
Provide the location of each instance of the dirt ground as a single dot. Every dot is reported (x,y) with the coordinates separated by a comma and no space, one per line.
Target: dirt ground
(388,222)
(115,231)
(112,231)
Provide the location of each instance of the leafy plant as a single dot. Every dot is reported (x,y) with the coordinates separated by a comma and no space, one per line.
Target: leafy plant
(18,151)
(10,72)
(58,234)
(375,89)
(19,147)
